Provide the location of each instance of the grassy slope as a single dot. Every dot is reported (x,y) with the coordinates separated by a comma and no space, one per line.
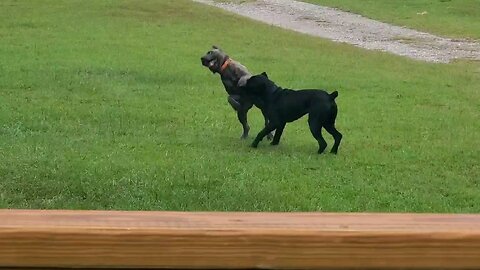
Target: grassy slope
(456,18)
(104,105)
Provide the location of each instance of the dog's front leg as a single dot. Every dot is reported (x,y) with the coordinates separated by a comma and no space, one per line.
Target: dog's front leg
(269,128)
(278,134)
(233,100)
(269,135)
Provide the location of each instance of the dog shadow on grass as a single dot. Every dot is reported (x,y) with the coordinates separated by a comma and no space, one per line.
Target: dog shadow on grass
(289,148)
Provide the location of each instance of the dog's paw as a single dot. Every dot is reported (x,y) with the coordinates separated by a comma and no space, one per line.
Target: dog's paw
(244,137)
(254,145)
(274,143)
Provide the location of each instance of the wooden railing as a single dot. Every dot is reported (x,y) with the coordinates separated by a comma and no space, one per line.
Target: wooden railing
(181,240)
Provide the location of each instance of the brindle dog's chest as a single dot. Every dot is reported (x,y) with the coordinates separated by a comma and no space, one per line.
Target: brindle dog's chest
(231,86)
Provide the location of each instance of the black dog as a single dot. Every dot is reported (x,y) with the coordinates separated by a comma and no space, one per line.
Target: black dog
(284,105)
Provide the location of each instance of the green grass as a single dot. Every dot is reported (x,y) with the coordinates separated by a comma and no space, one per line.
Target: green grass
(455,18)
(104,105)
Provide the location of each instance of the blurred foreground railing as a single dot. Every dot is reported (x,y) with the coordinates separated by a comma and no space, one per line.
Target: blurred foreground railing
(113,239)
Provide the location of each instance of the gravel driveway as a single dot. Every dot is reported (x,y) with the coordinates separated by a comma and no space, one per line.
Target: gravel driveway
(354,29)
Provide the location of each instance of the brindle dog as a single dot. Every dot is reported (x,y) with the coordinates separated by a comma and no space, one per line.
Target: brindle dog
(233,76)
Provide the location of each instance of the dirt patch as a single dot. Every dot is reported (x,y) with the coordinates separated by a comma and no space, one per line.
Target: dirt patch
(354,29)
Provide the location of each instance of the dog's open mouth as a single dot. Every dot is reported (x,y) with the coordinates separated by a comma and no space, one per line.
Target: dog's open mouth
(212,63)
(209,63)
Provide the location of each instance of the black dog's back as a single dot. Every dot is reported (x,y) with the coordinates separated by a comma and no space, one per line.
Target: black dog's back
(291,105)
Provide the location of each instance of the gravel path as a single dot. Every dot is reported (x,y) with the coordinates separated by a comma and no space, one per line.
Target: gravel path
(354,29)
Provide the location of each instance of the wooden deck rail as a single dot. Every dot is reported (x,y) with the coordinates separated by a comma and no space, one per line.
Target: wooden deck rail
(113,239)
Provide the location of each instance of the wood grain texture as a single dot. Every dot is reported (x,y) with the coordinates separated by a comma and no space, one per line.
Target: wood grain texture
(98,239)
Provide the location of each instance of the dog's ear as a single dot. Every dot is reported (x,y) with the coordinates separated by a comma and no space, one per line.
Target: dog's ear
(215,47)
(265,74)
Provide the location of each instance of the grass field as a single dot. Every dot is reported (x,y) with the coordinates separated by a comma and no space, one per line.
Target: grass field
(454,18)
(104,105)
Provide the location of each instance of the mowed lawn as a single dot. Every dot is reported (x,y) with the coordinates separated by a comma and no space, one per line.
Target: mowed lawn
(104,105)
(454,18)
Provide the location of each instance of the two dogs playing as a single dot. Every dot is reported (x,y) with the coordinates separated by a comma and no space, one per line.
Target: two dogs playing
(279,106)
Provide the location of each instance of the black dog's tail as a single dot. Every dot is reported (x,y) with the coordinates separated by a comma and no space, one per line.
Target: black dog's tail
(333,111)
(334,95)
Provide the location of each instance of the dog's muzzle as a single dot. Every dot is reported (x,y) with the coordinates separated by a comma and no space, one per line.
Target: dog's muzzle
(208,63)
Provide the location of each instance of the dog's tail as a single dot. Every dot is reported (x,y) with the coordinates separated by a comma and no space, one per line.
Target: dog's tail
(334,95)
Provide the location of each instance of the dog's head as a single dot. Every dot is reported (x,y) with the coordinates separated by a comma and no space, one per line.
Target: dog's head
(214,59)
(257,84)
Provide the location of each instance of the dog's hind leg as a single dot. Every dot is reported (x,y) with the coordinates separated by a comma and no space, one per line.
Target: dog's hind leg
(278,134)
(316,129)
(330,127)
(241,106)
(242,117)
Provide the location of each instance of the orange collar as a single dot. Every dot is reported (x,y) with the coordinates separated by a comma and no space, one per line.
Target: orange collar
(225,64)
